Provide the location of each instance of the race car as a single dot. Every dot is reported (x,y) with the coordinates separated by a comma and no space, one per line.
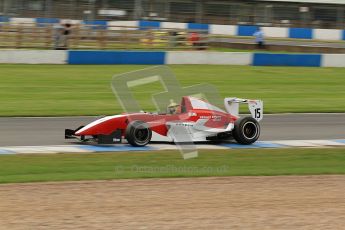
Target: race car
(193,119)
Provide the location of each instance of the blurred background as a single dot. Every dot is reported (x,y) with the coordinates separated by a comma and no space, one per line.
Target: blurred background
(135,24)
(295,13)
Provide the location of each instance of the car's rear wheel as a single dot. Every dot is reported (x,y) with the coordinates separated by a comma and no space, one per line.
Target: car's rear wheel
(246,130)
(138,133)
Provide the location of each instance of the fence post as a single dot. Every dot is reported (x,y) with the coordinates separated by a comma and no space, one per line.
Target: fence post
(75,36)
(48,36)
(101,40)
(19,36)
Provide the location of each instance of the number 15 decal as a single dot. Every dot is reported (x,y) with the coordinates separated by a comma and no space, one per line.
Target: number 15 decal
(257,113)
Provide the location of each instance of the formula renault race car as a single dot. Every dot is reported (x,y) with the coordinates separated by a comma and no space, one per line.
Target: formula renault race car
(193,120)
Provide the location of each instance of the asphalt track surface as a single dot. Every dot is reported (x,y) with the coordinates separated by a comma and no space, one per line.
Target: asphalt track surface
(31,131)
(310,43)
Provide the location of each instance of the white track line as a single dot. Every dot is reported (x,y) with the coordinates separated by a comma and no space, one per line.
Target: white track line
(54,149)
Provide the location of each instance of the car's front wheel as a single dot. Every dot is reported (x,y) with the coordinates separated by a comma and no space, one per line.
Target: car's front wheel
(138,133)
(246,130)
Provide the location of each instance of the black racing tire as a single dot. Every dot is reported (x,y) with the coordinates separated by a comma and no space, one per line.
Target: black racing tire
(246,130)
(138,133)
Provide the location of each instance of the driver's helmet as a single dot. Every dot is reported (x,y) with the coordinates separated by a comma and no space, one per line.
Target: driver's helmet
(172,107)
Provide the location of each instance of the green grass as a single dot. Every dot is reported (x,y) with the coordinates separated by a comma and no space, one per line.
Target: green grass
(55,90)
(268,162)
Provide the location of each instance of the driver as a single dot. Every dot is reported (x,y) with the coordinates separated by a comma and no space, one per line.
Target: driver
(172,107)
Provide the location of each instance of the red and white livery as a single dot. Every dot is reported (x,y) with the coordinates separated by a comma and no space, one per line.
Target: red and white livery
(193,120)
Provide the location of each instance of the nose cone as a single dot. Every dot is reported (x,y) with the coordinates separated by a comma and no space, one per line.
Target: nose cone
(105,125)
(87,131)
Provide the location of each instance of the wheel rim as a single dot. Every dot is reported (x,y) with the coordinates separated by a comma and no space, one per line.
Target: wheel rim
(141,135)
(250,130)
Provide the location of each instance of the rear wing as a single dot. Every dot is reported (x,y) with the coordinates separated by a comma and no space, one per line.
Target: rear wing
(232,105)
